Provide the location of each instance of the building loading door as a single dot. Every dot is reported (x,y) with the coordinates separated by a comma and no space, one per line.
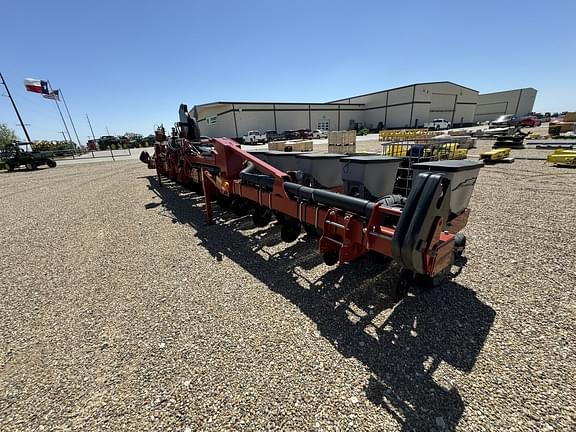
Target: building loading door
(443,105)
(324,125)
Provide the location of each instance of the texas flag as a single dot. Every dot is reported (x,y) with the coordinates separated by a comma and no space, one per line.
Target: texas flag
(36,86)
(54,95)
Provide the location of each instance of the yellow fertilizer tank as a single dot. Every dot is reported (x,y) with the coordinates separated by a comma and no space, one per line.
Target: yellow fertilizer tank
(562,157)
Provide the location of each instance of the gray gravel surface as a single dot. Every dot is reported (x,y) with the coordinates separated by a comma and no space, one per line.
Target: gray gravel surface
(122,310)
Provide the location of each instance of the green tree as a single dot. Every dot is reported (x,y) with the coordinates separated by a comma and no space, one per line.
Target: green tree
(7,135)
(44,145)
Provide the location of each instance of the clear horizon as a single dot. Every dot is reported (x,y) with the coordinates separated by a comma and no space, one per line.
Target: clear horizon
(129,68)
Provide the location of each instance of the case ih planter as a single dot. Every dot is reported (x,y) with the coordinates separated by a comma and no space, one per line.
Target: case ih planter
(419,231)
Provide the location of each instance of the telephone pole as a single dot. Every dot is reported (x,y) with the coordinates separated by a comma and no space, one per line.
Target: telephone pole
(15,109)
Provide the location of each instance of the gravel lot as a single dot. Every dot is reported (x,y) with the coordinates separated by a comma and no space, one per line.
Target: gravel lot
(122,310)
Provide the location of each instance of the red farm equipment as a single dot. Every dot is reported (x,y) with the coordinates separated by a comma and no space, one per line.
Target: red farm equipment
(420,231)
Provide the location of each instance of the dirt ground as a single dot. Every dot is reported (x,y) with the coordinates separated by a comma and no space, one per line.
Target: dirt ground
(122,310)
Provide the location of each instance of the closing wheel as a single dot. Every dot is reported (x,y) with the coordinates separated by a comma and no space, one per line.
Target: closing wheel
(459,244)
(290,231)
(429,282)
(240,206)
(331,257)
(403,285)
(262,216)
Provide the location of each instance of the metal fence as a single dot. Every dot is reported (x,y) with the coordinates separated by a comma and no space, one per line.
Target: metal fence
(415,151)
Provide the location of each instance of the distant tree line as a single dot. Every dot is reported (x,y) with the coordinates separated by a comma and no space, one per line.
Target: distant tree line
(7,135)
(45,145)
(128,140)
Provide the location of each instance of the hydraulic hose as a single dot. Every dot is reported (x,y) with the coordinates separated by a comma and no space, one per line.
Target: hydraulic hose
(359,206)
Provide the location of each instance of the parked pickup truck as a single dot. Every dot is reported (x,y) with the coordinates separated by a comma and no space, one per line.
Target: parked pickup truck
(438,124)
(253,137)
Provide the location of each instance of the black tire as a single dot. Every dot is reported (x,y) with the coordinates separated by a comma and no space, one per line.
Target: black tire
(312,231)
(331,257)
(290,232)
(427,282)
(224,201)
(240,207)
(9,167)
(262,217)
(403,285)
(30,166)
(51,163)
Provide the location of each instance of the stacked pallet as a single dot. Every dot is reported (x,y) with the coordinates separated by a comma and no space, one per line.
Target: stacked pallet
(296,145)
(342,142)
(567,124)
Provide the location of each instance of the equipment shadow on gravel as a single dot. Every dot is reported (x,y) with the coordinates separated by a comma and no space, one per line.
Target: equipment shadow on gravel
(403,344)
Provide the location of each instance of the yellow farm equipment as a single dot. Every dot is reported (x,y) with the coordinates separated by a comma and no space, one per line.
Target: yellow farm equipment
(496,155)
(450,151)
(425,149)
(562,157)
(404,135)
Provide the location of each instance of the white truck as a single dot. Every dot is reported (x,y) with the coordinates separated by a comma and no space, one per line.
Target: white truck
(438,124)
(254,137)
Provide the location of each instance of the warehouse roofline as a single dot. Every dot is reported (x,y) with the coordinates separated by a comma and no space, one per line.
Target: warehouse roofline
(401,87)
(333,102)
(508,91)
(269,103)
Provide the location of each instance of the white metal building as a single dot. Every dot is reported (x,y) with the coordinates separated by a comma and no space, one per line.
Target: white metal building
(491,105)
(401,107)
(235,119)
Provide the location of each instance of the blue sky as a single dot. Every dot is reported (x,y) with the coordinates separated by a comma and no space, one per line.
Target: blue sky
(130,64)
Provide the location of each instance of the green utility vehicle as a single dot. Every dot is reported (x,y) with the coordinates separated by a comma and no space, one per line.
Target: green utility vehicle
(16,155)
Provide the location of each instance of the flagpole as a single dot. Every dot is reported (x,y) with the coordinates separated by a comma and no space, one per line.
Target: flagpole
(90,124)
(69,116)
(15,109)
(61,116)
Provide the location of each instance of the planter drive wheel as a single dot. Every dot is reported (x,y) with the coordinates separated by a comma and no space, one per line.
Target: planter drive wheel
(51,163)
